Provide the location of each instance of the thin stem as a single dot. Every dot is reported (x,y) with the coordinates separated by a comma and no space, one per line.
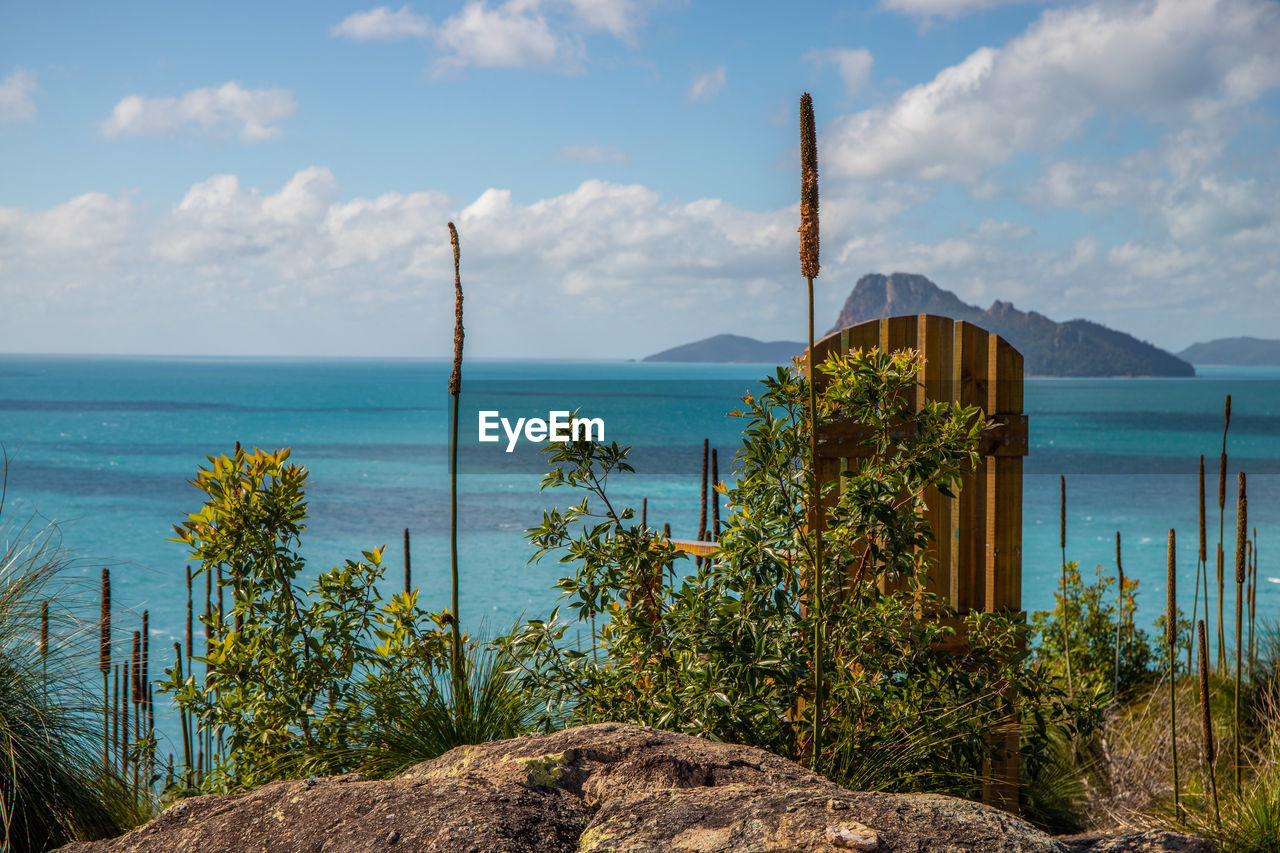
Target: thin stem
(816,503)
(1066,604)
(453,549)
(1115,690)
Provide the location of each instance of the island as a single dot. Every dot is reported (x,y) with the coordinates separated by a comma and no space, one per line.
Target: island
(1050,348)
(1243,352)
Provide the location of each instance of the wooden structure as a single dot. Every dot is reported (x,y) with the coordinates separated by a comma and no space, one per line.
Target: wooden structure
(975,561)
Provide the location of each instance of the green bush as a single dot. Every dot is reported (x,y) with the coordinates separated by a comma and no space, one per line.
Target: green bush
(1089,618)
(725,651)
(292,672)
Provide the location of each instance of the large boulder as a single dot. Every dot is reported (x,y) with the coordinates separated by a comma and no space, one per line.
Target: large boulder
(606,787)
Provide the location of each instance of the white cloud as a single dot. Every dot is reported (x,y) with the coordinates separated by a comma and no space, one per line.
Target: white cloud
(513,35)
(1159,264)
(382,24)
(854,65)
(551,277)
(944,8)
(254,112)
(16,101)
(707,85)
(593,154)
(92,222)
(1160,61)
(619,17)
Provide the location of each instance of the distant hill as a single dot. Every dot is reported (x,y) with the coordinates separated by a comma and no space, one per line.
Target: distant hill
(732,349)
(1235,351)
(1073,348)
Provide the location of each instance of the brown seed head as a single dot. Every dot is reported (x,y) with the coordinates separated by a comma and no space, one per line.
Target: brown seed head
(455,378)
(1222,481)
(44,628)
(1119,565)
(1242,529)
(1226,418)
(1206,719)
(1171,611)
(104,625)
(136,686)
(808,189)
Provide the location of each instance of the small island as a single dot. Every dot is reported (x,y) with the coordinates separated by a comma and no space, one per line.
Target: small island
(1241,352)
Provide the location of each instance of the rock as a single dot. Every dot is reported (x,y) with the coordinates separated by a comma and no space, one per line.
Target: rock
(1154,841)
(1071,348)
(607,787)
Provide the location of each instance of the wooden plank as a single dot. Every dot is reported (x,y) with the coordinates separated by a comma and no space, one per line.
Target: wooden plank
(1003,570)
(898,333)
(1003,581)
(936,343)
(968,515)
(696,548)
(862,337)
(1004,396)
(935,338)
(1000,770)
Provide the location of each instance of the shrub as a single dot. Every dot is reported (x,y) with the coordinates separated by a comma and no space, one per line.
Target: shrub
(290,672)
(1089,618)
(725,651)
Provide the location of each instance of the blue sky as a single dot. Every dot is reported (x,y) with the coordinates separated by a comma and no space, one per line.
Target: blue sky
(276,178)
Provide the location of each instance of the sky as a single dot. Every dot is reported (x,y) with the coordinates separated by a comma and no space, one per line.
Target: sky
(277,179)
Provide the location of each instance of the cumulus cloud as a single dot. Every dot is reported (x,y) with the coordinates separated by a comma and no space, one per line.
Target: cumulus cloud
(593,154)
(382,24)
(707,85)
(854,65)
(584,256)
(253,112)
(555,274)
(621,18)
(944,8)
(16,91)
(513,34)
(1159,61)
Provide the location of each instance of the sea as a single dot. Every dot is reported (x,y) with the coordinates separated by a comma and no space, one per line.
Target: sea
(101,450)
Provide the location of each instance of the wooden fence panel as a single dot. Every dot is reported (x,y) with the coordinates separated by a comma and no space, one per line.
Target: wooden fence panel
(976,558)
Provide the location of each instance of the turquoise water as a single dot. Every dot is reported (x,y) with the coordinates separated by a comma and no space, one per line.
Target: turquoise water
(104,447)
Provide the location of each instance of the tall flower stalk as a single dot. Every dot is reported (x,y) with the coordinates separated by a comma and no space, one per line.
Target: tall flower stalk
(1171,637)
(455,389)
(104,665)
(1115,689)
(1206,722)
(809,269)
(1242,541)
(1066,610)
(1222,503)
(1202,568)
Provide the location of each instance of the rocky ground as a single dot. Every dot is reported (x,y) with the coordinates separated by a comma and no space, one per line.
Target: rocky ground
(606,787)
